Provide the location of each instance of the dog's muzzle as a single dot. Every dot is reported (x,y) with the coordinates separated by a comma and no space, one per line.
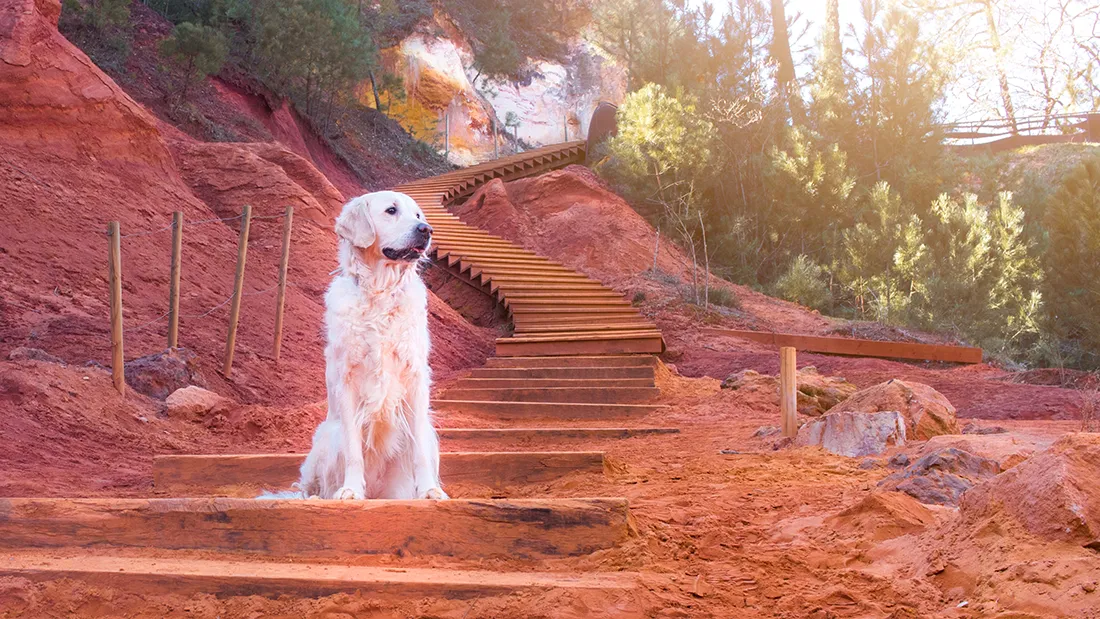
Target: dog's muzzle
(422,237)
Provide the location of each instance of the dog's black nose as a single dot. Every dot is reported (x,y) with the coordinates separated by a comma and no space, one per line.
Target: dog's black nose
(424,229)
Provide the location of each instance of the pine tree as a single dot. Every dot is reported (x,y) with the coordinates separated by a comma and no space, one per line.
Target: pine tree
(198,50)
(1071,294)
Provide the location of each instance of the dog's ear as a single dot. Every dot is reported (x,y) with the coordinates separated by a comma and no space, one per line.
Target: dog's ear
(355,223)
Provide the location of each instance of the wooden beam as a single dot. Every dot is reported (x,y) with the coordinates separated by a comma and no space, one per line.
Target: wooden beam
(859,348)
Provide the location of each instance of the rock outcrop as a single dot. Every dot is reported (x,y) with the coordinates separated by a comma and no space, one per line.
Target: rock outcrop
(927,412)
(816,393)
(853,434)
(942,476)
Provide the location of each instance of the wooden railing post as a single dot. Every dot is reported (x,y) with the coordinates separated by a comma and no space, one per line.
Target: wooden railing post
(174,281)
(238,285)
(281,297)
(114,280)
(788,391)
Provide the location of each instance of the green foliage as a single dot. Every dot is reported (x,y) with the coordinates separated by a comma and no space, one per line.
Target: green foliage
(101,28)
(313,50)
(879,260)
(1072,259)
(983,280)
(496,56)
(198,50)
(805,283)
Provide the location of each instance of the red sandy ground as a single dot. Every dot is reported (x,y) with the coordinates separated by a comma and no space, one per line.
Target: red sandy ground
(758,533)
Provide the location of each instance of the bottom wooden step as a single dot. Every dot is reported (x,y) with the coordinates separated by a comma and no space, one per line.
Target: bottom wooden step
(458,528)
(232,578)
(245,475)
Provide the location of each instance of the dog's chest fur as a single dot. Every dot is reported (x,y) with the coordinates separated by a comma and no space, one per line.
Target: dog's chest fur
(376,337)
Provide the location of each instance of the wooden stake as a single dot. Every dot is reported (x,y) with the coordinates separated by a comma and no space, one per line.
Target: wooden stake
(174,281)
(238,285)
(788,391)
(114,279)
(287,219)
(447,134)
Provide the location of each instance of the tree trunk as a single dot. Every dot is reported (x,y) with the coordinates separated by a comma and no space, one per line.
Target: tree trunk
(374,91)
(998,55)
(785,77)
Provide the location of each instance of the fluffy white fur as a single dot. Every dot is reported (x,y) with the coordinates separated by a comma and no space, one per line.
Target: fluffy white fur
(377,441)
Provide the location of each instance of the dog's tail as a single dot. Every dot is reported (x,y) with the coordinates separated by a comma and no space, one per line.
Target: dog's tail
(295,492)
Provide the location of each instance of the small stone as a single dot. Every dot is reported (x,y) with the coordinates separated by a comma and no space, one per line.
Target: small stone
(899,461)
(766,431)
(191,401)
(869,463)
(973,428)
(729,452)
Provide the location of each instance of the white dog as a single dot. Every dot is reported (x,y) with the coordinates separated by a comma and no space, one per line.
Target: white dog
(378,441)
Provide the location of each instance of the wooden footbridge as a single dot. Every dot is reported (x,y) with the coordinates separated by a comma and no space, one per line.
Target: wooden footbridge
(579,368)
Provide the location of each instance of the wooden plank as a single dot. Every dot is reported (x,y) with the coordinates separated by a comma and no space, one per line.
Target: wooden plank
(189,577)
(563,373)
(548,410)
(549,434)
(859,348)
(247,475)
(461,528)
(600,361)
(530,383)
(589,395)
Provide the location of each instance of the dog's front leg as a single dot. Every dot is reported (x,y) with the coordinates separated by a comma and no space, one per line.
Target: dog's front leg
(426,444)
(355,408)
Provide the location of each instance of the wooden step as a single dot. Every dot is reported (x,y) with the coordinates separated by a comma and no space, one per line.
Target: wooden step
(579,361)
(565,373)
(594,346)
(533,383)
(574,327)
(461,528)
(189,577)
(546,410)
(549,434)
(586,395)
(246,475)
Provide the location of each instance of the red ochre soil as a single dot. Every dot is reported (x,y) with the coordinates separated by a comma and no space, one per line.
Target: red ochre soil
(753,532)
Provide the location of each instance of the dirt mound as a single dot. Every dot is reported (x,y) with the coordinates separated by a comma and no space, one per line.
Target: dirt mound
(76,152)
(881,516)
(1053,495)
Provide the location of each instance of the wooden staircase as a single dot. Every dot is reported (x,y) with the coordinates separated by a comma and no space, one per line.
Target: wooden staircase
(555,310)
(579,364)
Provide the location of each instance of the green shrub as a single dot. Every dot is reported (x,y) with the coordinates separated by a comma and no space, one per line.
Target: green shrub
(805,283)
(1072,259)
(724,297)
(197,50)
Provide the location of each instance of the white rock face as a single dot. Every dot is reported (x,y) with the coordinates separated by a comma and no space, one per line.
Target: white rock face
(193,401)
(854,434)
(554,105)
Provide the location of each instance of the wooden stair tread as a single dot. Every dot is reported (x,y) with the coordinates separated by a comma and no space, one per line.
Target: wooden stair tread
(224,577)
(239,474)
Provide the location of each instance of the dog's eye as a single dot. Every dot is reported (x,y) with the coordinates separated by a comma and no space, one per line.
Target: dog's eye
(392,210)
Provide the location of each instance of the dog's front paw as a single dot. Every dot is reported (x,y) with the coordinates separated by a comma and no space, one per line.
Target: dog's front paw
(435,494)
(348,494)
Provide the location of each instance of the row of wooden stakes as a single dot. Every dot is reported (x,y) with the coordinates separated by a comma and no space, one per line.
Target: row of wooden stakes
(114,275)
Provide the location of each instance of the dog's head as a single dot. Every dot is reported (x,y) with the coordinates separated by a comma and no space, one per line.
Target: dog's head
(386,224)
